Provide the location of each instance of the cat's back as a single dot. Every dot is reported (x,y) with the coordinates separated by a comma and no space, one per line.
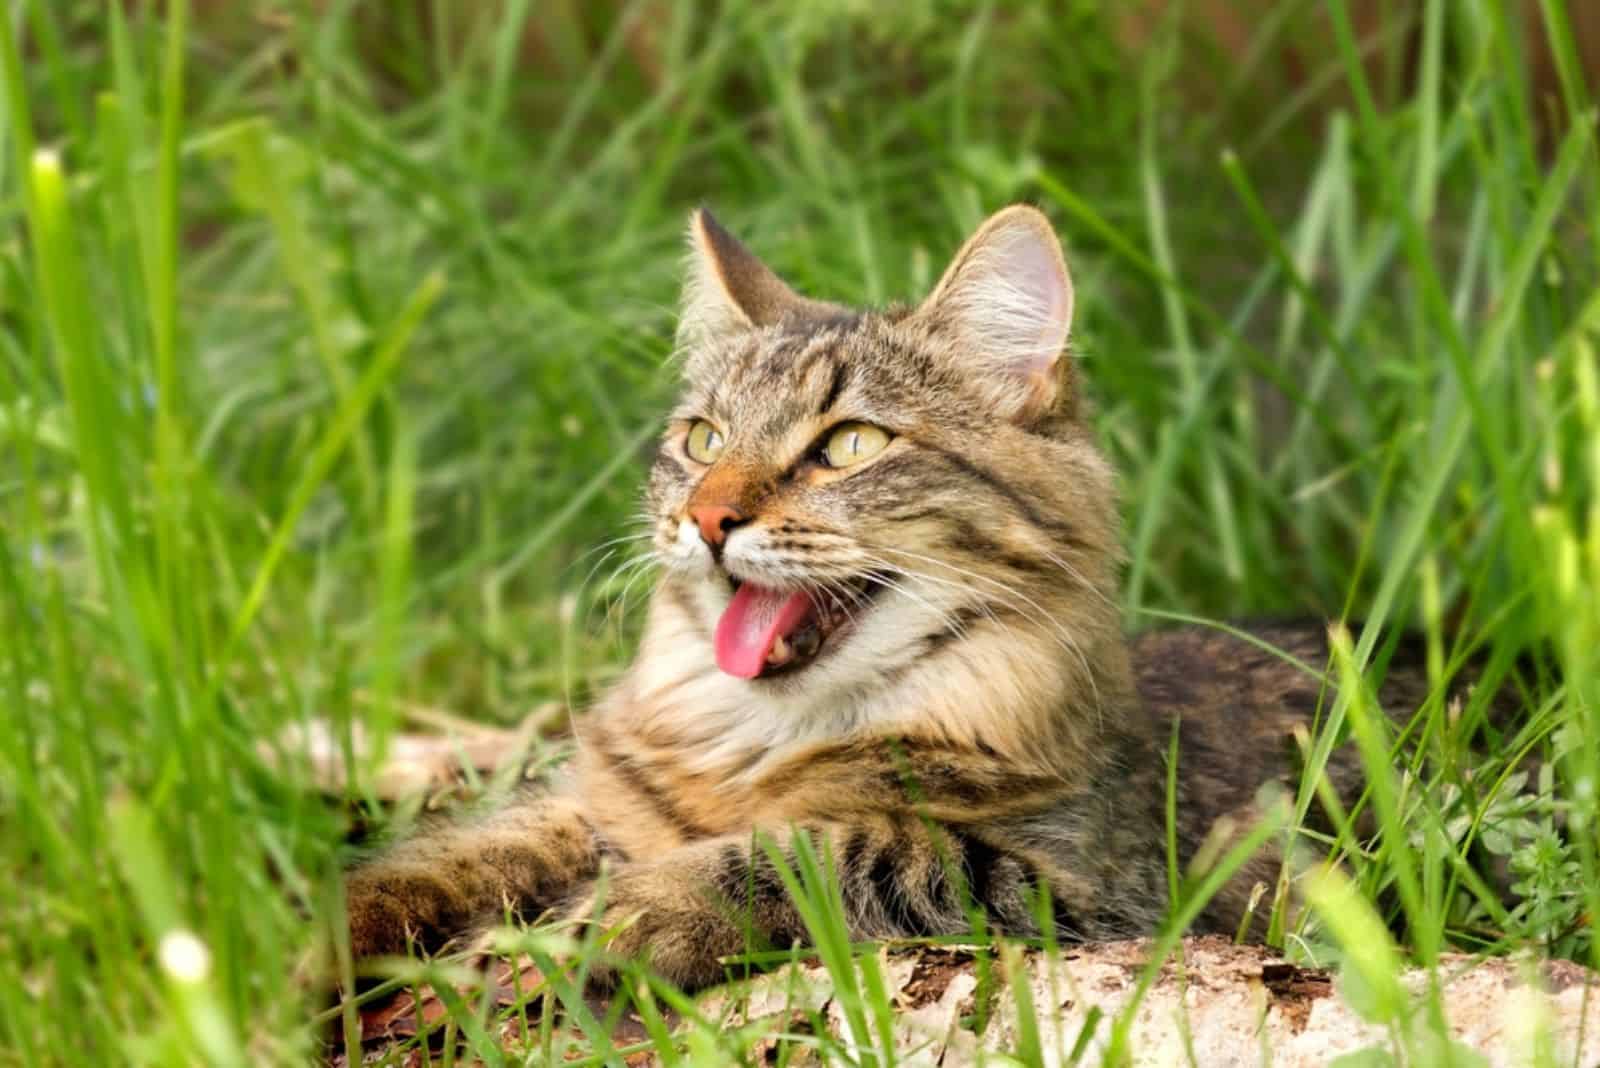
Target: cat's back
(1243,693)
(1240,696)
(1255,673)
(1242,677)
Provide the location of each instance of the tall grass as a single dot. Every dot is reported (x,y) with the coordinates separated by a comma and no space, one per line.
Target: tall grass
(331,336)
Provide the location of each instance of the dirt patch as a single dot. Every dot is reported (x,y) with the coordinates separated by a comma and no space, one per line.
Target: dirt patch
(1295,990)
(932,975)
(1559,975)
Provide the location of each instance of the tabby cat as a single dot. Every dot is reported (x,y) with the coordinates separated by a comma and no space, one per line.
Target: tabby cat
(887,618)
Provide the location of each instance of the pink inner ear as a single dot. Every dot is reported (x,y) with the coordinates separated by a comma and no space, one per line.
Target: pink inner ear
(1029,265)
(1009,296)
(1040,265)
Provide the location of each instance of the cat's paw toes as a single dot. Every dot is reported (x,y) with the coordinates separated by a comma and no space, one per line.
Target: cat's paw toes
(379,923)
(673,942)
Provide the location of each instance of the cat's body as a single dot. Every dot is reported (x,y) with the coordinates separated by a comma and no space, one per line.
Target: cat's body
(887,617)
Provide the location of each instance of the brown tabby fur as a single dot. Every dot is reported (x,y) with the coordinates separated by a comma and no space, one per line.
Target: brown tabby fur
(982,732)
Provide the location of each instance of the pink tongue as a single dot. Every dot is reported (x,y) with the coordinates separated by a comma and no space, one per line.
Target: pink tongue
(755,619)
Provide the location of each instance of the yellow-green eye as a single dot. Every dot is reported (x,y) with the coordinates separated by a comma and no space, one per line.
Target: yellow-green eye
(704,444)
(850,443)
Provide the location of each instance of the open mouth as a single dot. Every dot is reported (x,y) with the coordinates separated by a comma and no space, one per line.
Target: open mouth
(764,631)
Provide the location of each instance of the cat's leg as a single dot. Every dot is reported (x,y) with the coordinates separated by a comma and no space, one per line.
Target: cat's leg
(723,896)
(441,883)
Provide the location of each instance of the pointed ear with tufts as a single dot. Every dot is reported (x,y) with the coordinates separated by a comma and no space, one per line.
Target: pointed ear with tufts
(728,289)
(1005,302)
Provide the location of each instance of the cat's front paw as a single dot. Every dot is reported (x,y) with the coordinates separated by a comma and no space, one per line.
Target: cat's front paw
(677,939)
(389,913)
(379,922)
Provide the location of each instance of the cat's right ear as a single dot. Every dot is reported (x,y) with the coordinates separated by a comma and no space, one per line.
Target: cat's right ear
(1005,306)
(728,289)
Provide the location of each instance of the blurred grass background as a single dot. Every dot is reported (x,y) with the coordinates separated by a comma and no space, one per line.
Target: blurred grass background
(332,335)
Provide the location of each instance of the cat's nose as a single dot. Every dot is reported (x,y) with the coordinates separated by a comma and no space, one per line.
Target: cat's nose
(715,520)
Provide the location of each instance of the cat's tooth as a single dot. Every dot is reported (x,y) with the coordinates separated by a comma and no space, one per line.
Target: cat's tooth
(779,653)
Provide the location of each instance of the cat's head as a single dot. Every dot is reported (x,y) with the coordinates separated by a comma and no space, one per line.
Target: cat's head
(840,494)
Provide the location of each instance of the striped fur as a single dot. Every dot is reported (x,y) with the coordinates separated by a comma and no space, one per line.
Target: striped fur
(977,735)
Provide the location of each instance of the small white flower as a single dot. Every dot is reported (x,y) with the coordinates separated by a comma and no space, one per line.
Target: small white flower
(184,957)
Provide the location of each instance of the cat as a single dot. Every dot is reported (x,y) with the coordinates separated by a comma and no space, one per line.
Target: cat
(886,618)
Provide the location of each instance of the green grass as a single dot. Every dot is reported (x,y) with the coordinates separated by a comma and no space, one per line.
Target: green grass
(330,337)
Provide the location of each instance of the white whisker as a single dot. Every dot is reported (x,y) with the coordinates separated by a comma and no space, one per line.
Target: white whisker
(1068,642)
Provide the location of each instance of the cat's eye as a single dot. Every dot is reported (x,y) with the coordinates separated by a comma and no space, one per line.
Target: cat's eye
(704,443)
(851,443)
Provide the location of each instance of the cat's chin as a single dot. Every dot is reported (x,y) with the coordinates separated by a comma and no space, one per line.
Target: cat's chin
(830,615)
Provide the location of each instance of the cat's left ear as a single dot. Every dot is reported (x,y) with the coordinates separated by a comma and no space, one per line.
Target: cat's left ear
(729,289)
(1005,302)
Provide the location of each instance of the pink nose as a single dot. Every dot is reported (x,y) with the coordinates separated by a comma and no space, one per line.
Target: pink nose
(715,520)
